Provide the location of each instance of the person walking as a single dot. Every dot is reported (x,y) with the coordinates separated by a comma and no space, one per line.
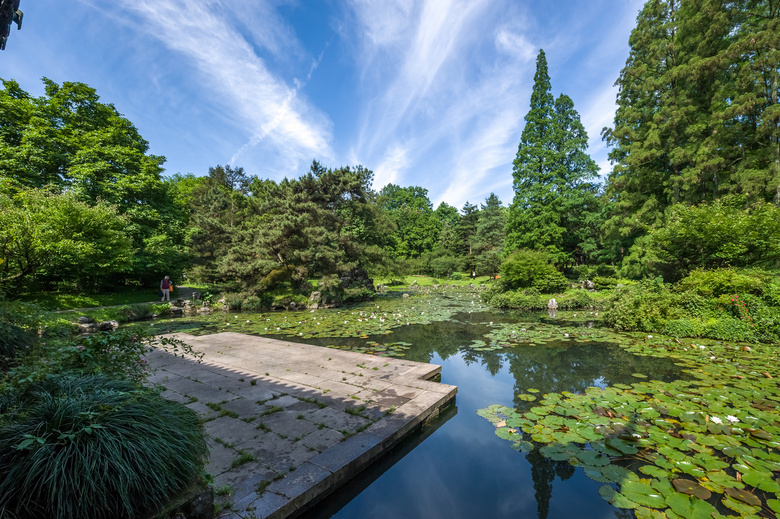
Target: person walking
(165,287)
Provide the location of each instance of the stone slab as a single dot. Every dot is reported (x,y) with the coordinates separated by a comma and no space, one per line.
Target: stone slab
(310,417)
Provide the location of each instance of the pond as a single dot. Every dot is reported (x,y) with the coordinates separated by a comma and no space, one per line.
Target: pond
(556,416)
(463,470)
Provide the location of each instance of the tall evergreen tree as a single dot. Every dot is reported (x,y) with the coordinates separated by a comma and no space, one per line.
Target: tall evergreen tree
(553,175)
(698,112)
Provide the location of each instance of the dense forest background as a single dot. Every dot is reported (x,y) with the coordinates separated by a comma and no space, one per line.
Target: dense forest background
(695,184)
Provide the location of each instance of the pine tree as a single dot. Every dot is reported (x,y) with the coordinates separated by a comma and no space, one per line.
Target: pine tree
(552,176)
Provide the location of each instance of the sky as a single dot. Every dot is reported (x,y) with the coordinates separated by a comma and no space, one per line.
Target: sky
(429,93)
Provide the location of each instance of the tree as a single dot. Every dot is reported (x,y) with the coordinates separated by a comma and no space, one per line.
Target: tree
(417,226)
(489,238)
(553,174)
(467,230)
(69,139)
(47,236)
(698,114)
(324,223)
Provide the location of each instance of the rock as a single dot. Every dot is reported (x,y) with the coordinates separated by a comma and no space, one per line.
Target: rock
(202,507)
(197,295)
(176,311)
(481,285)
(108,326)
(87,327)
(85,320)
(552,304)
(205,310)
(293,305)
(588,285)
(313,306)
(405,296)
(316,296)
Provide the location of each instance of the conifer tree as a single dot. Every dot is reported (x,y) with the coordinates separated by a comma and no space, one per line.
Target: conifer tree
(552,176)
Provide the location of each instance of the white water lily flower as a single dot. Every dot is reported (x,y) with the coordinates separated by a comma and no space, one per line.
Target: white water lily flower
(649,336)
(716,420)
(701,347)
(732,418)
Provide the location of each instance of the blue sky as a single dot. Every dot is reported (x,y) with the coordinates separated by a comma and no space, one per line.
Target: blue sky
(422,92)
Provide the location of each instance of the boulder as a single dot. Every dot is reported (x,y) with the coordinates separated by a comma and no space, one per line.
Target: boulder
(552,304)
(197,295)
(85,320)
(405,296)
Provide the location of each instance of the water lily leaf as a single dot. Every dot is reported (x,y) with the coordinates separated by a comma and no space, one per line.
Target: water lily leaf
(614,498)
(690,507)
(654,471)
(558,452)
(507,434)
(531,390)
(622,445)
(692,488)
(739,506)
(526,397)
(761,434)
(649,513)
(774,504)
(593,458)
(761,480)
(743,496)
(523,446)
(638,375)
(643,494)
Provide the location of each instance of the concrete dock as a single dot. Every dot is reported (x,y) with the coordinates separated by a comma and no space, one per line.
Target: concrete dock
(289,423)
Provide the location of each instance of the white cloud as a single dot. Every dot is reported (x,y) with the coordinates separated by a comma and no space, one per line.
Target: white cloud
(394,163)
(515,45)
(237,78)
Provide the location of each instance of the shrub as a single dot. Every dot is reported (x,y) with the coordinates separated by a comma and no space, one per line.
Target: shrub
(92,448)
(252,303)
(550,282)
(456,276)
(528,299)
(645,306)
(721,281)
(233,300)
(523,268)
(576,300)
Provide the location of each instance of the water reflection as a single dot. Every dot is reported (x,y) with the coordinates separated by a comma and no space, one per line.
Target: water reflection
(463,470)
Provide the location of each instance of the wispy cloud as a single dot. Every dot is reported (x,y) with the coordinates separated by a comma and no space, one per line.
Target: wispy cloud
(237,78)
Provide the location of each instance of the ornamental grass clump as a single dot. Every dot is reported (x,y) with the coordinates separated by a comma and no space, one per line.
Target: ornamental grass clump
(87,447)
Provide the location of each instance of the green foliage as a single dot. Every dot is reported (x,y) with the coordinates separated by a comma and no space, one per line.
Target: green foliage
(645,306)
(49,236)
(716,235)
(575,300)
(67,138)
(90,447)
(717,282)
(697,111)
(528,268)
(555,205)
(528,299)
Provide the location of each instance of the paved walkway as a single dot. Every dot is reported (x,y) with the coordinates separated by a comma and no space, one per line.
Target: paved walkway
(288,423)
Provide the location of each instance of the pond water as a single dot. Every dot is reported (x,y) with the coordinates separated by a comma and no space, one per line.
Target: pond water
(661,424)
(462,469)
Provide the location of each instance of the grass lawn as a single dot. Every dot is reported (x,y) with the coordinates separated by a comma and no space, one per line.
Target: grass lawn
(64,300)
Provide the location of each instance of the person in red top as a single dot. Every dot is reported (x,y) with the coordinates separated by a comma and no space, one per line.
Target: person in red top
(165,287)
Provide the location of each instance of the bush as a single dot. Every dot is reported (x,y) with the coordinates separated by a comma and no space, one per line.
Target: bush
(645,306)
(529,268)
(252,303)
(456,276)
(234,301)
(576,300)
(551,282)
(722,281)
(92,448)
(528,299)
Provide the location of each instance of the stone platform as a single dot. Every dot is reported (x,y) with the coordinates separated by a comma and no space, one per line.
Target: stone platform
(289,423)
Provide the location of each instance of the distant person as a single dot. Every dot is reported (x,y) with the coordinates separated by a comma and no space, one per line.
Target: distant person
(473,274)
(165,288)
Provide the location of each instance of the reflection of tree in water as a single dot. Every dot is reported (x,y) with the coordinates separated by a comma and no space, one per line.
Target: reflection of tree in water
(575,367)
(543,472)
